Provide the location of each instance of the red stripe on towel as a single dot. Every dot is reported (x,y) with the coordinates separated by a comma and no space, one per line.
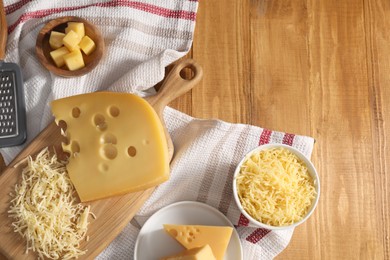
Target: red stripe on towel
(160,11)
(257,235)
(288,139)
(243,221)
(265,136)
(15,6)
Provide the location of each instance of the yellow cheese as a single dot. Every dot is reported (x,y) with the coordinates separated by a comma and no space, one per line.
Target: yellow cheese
(77,28)
(275,187)
(58,56)
(74,60)
(87,45)
(197,253)
(55,39)
(44,210)
(116,143)
(71,40)
(191,236)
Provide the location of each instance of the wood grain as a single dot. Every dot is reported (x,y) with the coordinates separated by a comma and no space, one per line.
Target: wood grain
(340,120)
(3,31)
(317,68)
(377,24)
(221,45)
(114,213)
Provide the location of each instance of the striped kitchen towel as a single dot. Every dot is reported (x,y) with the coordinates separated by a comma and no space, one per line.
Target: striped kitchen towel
(142,38)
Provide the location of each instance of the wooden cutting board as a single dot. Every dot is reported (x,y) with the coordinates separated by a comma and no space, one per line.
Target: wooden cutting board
(114,213)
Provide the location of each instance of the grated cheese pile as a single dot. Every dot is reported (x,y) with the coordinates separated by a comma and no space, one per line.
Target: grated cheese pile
(45,211)
(275,187)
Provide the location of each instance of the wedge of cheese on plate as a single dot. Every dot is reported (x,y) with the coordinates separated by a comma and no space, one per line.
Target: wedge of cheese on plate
(116,143)
(192,236)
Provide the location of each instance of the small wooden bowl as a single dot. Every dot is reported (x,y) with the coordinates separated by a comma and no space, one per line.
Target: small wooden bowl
(43,48)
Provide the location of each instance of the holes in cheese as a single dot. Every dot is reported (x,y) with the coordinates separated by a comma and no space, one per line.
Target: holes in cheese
(109,151)
(132,151)
(76,112)
(113,111)
(75,147)
(104,166)
(108,138)
(62,124)
(100,122)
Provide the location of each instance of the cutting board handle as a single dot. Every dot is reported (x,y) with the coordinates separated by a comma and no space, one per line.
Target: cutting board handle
(175,85)
(3,31)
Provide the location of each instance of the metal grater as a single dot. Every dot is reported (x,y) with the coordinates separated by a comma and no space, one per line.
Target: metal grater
(8,127)
(12,121)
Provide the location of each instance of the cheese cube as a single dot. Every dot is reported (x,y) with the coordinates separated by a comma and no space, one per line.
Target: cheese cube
(74,60)
(71,40)
(55,39)
(197,253)
(58,56)
(111,139)
(191,236)
(87,45)
(77,28)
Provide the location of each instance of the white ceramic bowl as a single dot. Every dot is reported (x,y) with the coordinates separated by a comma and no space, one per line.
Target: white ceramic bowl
(312,171)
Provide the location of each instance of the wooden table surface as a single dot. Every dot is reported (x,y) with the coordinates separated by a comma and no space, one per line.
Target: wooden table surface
(316,68)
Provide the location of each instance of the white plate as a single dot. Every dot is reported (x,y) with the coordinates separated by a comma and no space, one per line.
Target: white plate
(153,242)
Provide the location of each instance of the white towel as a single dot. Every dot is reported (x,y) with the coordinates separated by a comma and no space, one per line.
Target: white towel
(142,38)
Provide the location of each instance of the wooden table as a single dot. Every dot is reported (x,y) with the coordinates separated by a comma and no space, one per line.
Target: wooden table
(317,68)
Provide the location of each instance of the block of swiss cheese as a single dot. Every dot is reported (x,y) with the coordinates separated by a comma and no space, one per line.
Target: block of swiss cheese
(116,143)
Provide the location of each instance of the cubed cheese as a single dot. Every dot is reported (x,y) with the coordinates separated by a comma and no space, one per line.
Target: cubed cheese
(55,39)
(87,45)
(77,28)
(58,56)
(71,40)
(74,60)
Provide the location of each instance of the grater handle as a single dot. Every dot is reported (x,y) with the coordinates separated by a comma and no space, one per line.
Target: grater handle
(3,31)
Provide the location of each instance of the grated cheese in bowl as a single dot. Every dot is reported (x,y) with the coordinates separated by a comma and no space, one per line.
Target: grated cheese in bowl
(45,211)
(276,187)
